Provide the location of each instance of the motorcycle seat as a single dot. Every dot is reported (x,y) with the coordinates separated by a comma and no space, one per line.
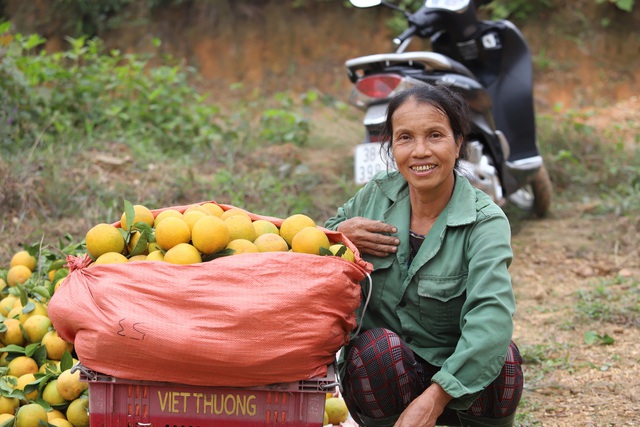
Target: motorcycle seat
(431,61)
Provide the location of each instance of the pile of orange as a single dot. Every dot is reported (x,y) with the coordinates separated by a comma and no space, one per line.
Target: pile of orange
(202,232)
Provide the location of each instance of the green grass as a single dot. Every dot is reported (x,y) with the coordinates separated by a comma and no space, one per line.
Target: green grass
(585,165)
(85,129)
(612,300)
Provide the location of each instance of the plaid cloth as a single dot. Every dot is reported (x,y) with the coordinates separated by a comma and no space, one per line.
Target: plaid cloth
(383,376)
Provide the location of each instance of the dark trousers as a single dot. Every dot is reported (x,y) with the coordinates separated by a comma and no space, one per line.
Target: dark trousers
(383,376)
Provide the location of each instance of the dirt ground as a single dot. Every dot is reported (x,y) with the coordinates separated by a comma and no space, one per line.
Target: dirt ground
(576,274)
(558,259)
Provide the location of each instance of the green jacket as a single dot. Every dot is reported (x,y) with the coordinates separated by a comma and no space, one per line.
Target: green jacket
(454,304)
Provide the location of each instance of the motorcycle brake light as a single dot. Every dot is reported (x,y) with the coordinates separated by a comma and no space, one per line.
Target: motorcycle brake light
(378,85)
(375,137)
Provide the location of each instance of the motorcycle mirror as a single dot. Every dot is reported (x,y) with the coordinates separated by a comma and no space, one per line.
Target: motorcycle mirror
(365,3)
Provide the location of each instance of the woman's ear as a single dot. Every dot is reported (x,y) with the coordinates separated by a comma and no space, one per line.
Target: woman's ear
(458,146)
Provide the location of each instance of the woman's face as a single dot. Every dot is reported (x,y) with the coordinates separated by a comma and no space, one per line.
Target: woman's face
(424,147)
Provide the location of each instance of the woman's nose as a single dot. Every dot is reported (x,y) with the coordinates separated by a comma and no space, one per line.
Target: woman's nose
(422,147)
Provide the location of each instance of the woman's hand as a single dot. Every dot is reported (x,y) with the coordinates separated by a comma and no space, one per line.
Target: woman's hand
(425,409)
(370,236)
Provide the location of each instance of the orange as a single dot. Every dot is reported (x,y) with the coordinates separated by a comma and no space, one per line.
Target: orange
(166,214)
(293,224)
(55,414)
(172,231)
(133,242)
(8,405)
(23,258)
(22,365)
(192,216)
(242,246)
(103,238)
(183,253)
(59,422)
(213,209)
(141,214)
(263,226)
(78,412)
(336,410)
(51,395)
(111,258)
(7,417)
(348,253)
(309,240)
(198,208)
(240,227)
(30,415)
(210,234)
(155,256)
(18,274)
(13,333)
(69,385)
(270,242)
(36,327)
(38,308)
(6,304)
(51,367)
(234,211)
(22,382)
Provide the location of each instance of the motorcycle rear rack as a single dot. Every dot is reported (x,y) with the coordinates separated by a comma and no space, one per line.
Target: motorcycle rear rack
(431,61)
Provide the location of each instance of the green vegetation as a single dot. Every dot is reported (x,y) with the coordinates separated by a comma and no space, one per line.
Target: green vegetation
(614,301)
(517,9)
(588,165)
(626,5)
(545,358)
(83,129)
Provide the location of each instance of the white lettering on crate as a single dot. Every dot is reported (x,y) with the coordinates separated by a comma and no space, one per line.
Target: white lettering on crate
(213,404)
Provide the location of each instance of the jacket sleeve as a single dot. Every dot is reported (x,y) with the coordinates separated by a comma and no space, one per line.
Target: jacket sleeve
(486,321)
(341,215)
(348,210)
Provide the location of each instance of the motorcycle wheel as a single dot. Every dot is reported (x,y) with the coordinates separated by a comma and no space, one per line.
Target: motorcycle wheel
(536,196)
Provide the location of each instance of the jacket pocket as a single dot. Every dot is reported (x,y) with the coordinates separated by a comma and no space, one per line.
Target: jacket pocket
(380,276)
(441,300)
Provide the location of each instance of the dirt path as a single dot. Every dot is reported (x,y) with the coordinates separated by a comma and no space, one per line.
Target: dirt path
(574,275)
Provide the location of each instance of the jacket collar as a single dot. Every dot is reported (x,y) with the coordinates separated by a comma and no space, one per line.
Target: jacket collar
(395,187)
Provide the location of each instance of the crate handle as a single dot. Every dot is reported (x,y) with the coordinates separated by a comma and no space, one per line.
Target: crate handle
(330,385)
(90,374)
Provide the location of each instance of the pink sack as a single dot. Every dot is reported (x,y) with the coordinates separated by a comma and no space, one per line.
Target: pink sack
(241,320)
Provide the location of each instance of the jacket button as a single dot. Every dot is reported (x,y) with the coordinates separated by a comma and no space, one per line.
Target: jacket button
(408,340)
(402,304)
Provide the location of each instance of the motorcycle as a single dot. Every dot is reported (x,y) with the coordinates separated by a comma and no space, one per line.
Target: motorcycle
(489,64)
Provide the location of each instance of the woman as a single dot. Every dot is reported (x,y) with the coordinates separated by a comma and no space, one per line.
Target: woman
(436,345)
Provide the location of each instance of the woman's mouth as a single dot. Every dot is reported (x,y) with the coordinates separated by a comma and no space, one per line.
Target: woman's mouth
(423,168)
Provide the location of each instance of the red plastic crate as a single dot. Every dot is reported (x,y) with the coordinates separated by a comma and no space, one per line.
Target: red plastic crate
(115,402)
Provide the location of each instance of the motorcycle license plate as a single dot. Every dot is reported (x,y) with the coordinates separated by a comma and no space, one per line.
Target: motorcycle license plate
(368,162)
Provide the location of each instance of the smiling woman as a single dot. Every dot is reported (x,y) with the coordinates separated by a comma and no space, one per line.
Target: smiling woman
(438,324)
(425,149)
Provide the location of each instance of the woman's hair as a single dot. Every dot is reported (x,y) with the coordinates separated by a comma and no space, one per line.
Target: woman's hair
(450,103)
